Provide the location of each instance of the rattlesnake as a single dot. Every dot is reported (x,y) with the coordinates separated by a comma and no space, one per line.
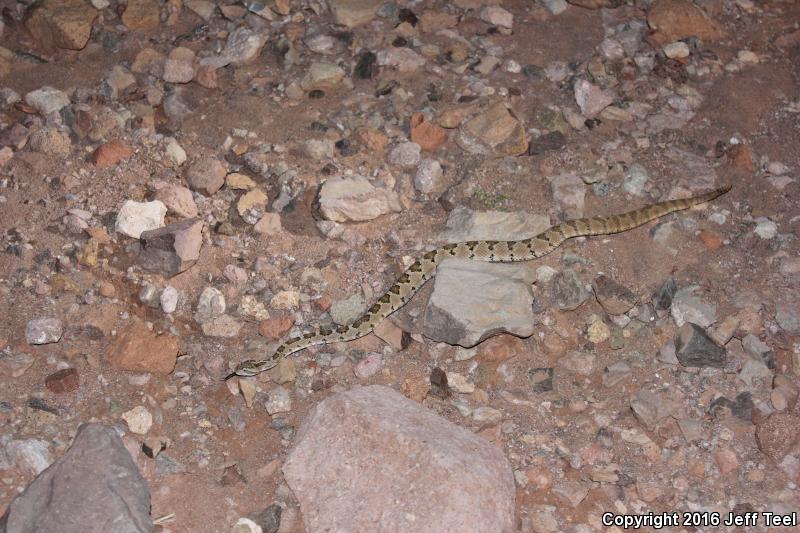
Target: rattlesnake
(424,269)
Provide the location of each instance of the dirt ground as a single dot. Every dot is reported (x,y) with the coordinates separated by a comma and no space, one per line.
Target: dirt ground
(744,127)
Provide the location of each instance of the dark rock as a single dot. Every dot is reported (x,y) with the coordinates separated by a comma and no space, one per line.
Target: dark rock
(172,249)
(568,291)
(65,380)
(439,387)
(694,347)
(365,68)
(269,519)
(94,487)
(741,407)
(615,298)
(663,300)
(548,142)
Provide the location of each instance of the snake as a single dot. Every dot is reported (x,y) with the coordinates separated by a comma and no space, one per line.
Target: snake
(424,268)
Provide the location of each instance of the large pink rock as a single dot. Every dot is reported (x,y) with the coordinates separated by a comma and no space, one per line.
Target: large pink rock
(370,459)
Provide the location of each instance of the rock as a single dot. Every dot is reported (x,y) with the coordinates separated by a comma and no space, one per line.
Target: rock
(650,408)
(677,50)
(555,7)
(243,46)
(137,217)
(426,134)
(466,225)
(32,456)
(139,420)
(405,154)
(635,179)
(254,200)
(274,328)
(174,152)
(178,200)
(598,332)
(319,149)
(269,224)
(50,141)
(16,364)
(499,301)
(245,525)
(777,435)
(429,176)
(180,66)
(356,199)
(269,519)
(497,16)
(352,13)
(239,182)
(138,349)
(582,363)
(404,60)
(461,482)
(172,249)
(687,307)
(765,228)
(348,310)
(591,98)
(663,300)
(169,299)
(674,20)
(788,318)
(392,334)
(369,366)
(568,291)
(569,189)
(496,131)
(278,401)
(322,76)
(62,381)
(222,326)
(111,153)
(94,486)
(555,140)
(613,297)
(284,372)
(597,4)
(694,347)
(141,15)
(726,461)
(61,23)
(44,330)
(206,175)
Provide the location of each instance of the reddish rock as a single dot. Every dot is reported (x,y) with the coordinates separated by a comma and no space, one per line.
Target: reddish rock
(323,303)
(615,298)
(726,461)
(674,20)
(711,240)
(206,175)
(372,139)
(65,380)
(778,435)
(740,156)
(788,41)
(276,327)
(393,335)
(501,348)
(138,349)
(426,134)
(111,153)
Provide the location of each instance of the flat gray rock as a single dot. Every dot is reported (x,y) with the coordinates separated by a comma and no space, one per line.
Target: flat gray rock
(370,459)
(467,225)
(474,300)
(355,199)
(94,487)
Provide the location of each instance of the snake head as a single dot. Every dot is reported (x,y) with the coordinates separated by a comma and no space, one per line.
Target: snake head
(251,367)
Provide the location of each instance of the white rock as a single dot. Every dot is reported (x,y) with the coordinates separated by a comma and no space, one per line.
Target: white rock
(765,228)
(278,401)
(137,217)
(47,100)
(497,16)
(139,420)
(169,299)
(174,151)
(677,50)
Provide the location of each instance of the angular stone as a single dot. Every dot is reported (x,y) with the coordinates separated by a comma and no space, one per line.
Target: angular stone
(111,153)
(426,134)
(94,486)
(591,98)
(496,131)
(615,298)
(222,326)
(694,347)
(138,349)
(137,217)
(356,199)
(568,290)
(206,175)
(371,456)
(352,13)
(172,249)
(50,141)
(44,330)
(499,301)
(322,76)
(467,225)
(178,199)
(141,15)
(62,23)
(674,20)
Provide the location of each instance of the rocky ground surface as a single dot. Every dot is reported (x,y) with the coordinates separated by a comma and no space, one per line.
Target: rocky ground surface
(184,183)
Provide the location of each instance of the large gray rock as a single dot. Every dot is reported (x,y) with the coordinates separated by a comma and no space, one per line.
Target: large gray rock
(473,300)
(94,487)
(370,459)
(467,225)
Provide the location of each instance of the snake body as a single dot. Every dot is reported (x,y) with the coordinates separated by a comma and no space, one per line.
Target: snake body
(424,269)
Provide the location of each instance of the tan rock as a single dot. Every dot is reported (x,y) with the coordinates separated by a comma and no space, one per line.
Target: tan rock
(495,131)
(269,224)
(352,13)
(251,199)
(111,153)
(138,349)
(141,15)
(62,23)
(674,20)
(372,139)
(178,199)
(239,182)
